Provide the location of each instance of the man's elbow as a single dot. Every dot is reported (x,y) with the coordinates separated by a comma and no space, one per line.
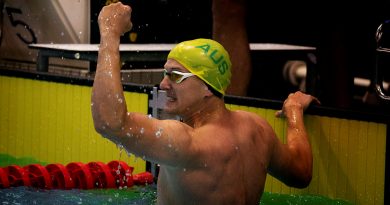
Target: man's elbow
(304,181)
(99,128)
(106,125)
(107,128)
(298,179)
(108,132)
(303,171)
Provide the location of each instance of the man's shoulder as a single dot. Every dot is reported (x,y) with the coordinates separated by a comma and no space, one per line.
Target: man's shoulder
(244,113)
(250,116)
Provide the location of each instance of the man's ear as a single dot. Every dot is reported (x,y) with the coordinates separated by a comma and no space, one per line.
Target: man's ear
(208,92)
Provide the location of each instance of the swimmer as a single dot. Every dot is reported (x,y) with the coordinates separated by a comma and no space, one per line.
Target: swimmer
(214,156)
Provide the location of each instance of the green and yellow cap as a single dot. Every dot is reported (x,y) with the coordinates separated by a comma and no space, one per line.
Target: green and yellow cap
(207,59)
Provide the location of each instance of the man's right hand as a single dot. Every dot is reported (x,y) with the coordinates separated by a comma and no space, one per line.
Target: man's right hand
(297,99)
(115,19)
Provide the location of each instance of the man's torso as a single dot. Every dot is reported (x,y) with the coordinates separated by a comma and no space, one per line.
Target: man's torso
(230,168)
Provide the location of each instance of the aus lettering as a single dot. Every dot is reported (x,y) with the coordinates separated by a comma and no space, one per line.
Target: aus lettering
(216,58)
(223,67)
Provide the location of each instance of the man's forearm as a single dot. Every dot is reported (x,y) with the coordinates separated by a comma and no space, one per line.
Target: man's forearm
(108,103)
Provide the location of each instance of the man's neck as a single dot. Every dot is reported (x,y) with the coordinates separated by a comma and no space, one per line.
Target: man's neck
(212,109)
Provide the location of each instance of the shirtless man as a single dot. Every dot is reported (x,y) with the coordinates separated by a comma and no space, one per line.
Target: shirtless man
(214,156)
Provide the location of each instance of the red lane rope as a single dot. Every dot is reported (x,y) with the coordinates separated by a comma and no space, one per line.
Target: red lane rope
(60,176)
(4,182)
(115,174)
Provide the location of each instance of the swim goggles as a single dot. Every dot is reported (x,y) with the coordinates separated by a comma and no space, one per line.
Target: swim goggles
(177,76)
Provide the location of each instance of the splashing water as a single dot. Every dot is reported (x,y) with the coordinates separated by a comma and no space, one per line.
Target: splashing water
(121,148)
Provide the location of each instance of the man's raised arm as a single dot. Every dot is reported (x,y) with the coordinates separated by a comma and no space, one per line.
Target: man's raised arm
(108,104)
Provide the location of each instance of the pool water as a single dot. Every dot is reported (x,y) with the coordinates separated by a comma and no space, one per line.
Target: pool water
(277,199)
(137,195)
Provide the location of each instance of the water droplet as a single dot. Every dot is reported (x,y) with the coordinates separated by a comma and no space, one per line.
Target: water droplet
(109,73)
(184,169)
(119,146)
(142,131)
(159,132)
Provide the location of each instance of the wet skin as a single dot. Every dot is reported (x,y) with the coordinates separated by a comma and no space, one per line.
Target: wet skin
(214,156)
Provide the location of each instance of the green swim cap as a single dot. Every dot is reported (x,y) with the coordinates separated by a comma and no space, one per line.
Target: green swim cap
(207,59)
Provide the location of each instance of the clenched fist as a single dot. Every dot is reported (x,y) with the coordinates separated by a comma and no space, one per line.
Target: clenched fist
(115,20)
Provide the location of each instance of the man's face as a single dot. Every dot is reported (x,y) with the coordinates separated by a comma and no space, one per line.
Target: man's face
(184,94)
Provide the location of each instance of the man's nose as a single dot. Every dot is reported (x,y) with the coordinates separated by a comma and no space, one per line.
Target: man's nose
(165,83)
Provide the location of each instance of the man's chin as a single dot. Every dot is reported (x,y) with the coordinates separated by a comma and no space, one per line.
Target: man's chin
(168,107)
(169,114)
(170,110)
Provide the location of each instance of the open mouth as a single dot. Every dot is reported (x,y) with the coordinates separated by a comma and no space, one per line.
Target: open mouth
(171,99)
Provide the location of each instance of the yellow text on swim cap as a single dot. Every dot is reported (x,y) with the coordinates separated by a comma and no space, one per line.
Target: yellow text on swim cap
(220,62)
